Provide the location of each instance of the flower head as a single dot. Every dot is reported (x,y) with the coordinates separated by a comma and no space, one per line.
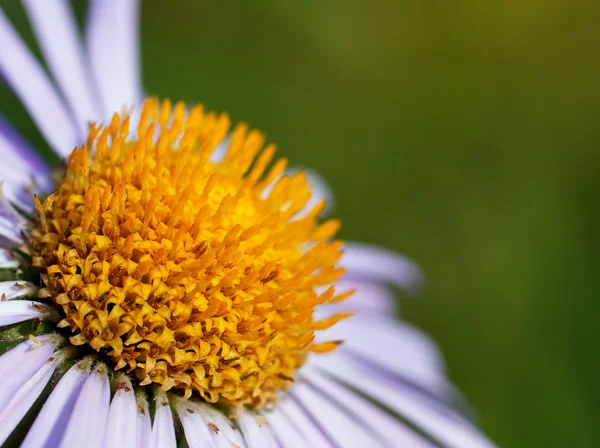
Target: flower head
(183,271)
(179,283)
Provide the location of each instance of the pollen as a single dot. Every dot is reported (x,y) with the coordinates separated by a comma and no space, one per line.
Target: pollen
(190,271)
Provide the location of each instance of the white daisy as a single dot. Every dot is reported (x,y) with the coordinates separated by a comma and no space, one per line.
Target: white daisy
(164,287)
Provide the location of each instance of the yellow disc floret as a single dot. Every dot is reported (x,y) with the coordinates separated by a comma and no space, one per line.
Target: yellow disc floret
(192,273)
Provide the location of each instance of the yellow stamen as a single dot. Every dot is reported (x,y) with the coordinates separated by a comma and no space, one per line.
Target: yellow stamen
(189,273)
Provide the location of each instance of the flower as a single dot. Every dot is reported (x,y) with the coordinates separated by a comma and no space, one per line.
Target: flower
(166,285)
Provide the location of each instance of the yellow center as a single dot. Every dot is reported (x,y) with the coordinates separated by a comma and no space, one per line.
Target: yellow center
(192,274)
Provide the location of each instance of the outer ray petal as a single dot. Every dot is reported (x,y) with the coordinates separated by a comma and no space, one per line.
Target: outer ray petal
(375,264)
(8,261)
(19,364)
(320,190)
(257,435)
(415,356)
(163,428)
(305,421)
(341,427)
(144,425)
(27,78)
(56,31)
(87,424)
(433,417)
(20,160)
(197,433)
(48,428)
(224,433)
(286,433)
(368,297)
(22,399)
(394,432)
(121,429)
(12,289)
(14,311)
(112,41)
(10,229)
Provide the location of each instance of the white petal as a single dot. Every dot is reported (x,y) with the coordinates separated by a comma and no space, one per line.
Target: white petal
(7,261)
(10,231)
(441,422)
(390,428)
(368,297)
(56,31)
(285,431)
(13,289)
(342,429)
(27,78)
(144,425)
(22,400)
(372,263)
(20,162)
(395,346)
(112,40)
(87,424)
(22,362)
(224,433)
(49,425)
(18,192)
(163,428)
(13,311)
(257,435)
(220,151)
(320,190)
(121,429)
(314,434)
(197,433)
(8,213)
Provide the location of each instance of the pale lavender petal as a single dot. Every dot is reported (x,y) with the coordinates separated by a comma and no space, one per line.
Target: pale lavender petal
(87,424)
(13,311)
(258,434)
(441,422)
(320,190)
(372,263)
(305,422)
(340,427)
(54,26)
(144,425)
(220,151)
(389,428)
(285,431)
(112,41)
(393,345)
(163,428)
(22,399)
(10,231)
(369,297)
(49,426)
(20,160)
(8,260)
(20,364)
(197,433)
(17,193)
(27,78)
(223,432)
(121,429)
(14,289)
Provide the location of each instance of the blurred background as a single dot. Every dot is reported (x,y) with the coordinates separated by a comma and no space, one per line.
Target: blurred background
(463,134)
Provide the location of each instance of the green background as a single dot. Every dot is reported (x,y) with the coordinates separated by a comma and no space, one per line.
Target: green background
(463,134)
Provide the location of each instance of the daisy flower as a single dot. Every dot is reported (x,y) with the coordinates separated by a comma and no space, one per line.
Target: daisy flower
(168,283)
